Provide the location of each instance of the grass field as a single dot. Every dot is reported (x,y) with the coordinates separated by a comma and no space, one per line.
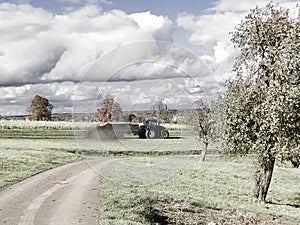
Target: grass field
(222,193)
(23,158)
(173,187)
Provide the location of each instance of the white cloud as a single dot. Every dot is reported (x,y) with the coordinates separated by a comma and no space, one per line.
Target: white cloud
(153,24)
(246,5)
(211,30)
(44,53)
(208,29)
(233,6)
(223,51)
(47,54)
(38,47)
(148,60)
(16,100)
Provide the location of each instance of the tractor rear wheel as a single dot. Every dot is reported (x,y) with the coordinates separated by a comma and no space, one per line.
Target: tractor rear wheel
(142,134)
(150,134)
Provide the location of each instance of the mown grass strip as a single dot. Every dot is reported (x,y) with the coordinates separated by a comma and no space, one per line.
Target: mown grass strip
(117,153)
(40,133)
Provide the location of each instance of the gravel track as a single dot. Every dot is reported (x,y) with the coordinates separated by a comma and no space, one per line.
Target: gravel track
(65,195)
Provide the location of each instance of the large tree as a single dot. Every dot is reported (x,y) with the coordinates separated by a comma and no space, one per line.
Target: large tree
(263,100)
(109,110)
(40,108)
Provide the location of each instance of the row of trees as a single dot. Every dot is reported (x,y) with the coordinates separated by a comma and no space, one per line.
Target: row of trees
(110,110)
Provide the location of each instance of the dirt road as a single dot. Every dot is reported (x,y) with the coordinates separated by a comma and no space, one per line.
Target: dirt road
(64,195)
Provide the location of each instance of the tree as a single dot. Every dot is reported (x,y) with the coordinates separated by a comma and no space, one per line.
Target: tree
(203,121)
(40,108)
(262,101)
(110,110)
(161,110)
(209,121)
(131,117)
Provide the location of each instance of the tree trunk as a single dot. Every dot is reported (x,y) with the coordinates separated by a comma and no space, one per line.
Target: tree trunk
(295,160)
(263,178)
(204,150)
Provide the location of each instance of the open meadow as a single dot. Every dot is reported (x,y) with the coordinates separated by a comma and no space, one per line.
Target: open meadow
(222,193)
(170,186)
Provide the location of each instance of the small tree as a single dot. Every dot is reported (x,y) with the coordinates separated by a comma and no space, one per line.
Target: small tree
(203,121)
(209,121)
(40,108)
(263,100)
(131,117)
(161,110)
(205,118)
(110,110)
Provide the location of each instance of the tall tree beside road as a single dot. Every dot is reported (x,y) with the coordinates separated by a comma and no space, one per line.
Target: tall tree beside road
(263,100)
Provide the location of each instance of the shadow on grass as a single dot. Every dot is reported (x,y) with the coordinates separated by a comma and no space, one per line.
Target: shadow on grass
(284,204)
(153,215)
(165,211)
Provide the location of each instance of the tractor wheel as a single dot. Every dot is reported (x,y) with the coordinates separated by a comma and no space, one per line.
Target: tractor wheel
(165,134)
(142,134)
(150,134)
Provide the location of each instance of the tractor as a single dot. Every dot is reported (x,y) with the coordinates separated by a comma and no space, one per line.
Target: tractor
(151,128)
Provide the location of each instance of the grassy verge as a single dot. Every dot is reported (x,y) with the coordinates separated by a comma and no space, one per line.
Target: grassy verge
(22,158)
(220,194)
(135,146)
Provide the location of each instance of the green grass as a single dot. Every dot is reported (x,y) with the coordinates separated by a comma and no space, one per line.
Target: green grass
(37,134)
(174,187)
(42,129)
(22,158)
(16,165)
(135,146)
(222,193)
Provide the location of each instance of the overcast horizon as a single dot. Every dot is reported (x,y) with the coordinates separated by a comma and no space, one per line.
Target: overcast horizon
(78,52)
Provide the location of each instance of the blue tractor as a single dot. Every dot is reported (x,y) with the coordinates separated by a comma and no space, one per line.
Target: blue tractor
(151,128)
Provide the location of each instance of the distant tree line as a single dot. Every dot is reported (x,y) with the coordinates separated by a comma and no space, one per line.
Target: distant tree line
(110,110)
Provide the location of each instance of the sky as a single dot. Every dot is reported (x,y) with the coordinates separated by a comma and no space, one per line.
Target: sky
(78,52)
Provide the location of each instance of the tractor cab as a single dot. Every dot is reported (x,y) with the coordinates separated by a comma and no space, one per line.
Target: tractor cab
(151,122)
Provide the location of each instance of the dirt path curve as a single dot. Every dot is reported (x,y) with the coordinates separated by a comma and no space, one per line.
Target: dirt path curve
(65,195)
